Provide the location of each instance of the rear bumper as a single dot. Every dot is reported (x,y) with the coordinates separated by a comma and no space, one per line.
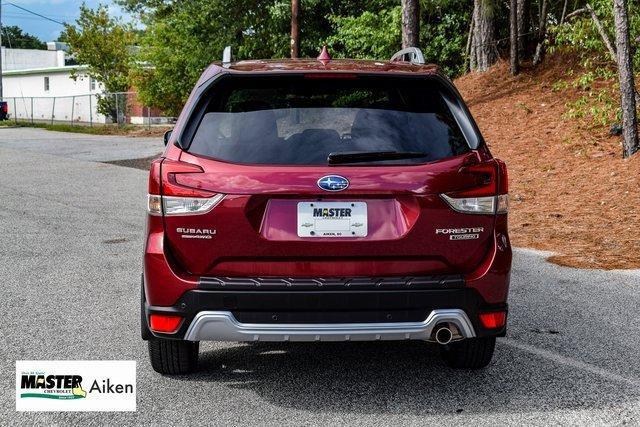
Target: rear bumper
(223,326)
(374,311)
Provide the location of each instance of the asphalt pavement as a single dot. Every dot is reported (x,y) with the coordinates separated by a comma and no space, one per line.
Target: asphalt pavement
(71,235)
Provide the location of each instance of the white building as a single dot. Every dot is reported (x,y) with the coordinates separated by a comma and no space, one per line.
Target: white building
(21,59)
(38,85)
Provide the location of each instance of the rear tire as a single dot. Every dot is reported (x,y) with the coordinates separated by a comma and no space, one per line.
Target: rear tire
(173,357)
(471,353)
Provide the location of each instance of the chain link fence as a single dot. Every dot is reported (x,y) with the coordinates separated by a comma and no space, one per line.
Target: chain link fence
(122,108)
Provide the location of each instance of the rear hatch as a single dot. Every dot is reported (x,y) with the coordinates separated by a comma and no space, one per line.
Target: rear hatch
(317,176)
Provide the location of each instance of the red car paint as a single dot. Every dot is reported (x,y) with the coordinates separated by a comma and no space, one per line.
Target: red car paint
(256,225)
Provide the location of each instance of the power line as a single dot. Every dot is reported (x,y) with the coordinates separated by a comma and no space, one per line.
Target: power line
(35,13)
(9,17)
(24,15)
(28,11)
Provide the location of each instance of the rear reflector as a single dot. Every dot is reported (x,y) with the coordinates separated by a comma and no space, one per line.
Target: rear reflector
(493,320)
(167,324)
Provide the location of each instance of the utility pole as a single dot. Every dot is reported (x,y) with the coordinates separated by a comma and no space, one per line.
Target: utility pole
(295,29)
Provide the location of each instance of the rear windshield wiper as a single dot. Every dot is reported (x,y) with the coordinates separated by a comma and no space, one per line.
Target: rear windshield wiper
(371,156)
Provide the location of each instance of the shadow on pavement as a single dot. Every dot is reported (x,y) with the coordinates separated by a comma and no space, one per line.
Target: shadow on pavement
(403,378)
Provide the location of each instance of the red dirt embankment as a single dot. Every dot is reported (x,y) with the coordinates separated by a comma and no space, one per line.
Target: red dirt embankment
(571,191)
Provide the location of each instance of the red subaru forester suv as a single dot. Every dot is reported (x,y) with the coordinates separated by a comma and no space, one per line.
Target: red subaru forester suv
(325,200)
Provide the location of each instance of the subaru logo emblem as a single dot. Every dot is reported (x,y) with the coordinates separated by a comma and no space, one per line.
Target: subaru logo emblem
(333,183)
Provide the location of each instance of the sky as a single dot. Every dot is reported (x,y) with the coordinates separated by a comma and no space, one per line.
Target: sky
(59,10)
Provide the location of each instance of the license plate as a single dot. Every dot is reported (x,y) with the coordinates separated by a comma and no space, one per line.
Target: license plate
(332,219)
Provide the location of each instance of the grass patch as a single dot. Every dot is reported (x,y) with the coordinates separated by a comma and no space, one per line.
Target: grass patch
(96,129)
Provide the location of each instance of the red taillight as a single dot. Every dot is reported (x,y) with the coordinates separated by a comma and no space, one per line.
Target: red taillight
(171,168)
(491,178)
(165,323)
(169,197)
(154,177)
(485,176)
(486,191)
(5,107)
(493,320)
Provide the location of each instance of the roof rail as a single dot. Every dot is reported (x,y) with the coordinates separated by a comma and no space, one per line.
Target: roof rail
(226,56)
(409,54)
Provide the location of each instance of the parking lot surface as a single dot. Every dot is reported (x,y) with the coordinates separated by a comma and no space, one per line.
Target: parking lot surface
(71,235)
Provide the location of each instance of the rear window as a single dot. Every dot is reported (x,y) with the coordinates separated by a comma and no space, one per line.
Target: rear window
(304,121)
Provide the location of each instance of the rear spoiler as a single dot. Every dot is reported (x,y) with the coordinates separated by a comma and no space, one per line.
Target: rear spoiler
(409,54)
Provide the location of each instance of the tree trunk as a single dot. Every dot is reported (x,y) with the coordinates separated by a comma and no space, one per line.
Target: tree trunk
(468,51)
(410,23)
(542,33)
(513,37)
(564,12)
(295,29)
(603,33)
(524,11)
(625,73)
(484,52)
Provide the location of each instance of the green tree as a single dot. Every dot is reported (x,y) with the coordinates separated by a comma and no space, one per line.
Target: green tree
(183,37)
(377,35)
(368,35)
(14,37)
(179,43)
(443,34)
(580,34)
(106,46)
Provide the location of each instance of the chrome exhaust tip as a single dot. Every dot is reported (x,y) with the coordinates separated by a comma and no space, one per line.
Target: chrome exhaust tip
(443,335)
